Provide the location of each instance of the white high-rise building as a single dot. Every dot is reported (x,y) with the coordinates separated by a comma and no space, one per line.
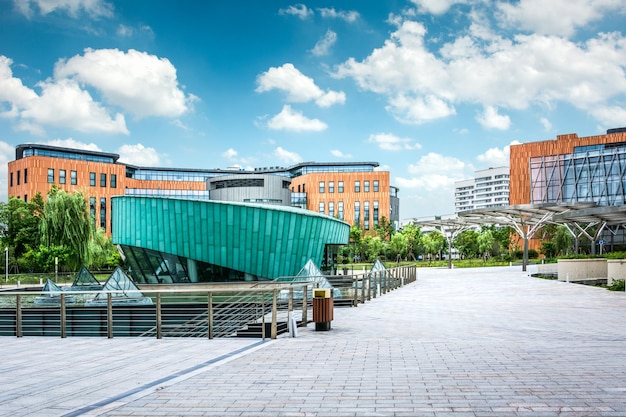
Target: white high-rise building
(489,188)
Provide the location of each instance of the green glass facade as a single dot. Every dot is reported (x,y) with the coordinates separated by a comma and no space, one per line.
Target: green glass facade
(199,241)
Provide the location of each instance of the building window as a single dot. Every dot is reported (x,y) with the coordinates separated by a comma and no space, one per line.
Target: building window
(113,181)
(19,177)
(375,213)
(331,187)
(62,173)
(322,207)
(92,179)
(50,175)
(92,208)
(366,186)
(73,179)
(103,213)
(11,180)
(340,187)
(331,209)
(375,186)
(25,175)
(340,210)
(103,180)
(366,215)
(357,186)
(26,198)
(357,212)
(321,187)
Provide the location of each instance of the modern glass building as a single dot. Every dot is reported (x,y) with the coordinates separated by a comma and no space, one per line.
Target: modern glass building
(169,240)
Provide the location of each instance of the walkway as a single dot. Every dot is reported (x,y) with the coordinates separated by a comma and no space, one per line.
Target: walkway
(481,342)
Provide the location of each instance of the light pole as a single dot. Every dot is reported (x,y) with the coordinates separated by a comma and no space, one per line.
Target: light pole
(6,264)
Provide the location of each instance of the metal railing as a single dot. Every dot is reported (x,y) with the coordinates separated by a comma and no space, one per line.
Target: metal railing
(262,310)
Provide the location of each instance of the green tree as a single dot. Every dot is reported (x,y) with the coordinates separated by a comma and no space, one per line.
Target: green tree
(485,243)
(414,238)
(384,229)
(21,221)
(467,243)
(434,242)
(563,241)
(67,222)
(398,247)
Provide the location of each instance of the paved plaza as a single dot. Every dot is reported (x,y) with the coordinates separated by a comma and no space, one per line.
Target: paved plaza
(464,342)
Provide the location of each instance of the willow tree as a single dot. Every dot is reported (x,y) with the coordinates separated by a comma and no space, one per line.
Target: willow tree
(66,222)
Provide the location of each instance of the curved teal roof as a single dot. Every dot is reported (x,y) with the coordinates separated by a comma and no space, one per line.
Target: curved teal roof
(263,240)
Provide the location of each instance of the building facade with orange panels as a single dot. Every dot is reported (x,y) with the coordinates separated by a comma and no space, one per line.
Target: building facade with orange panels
(520,156)
(362,198)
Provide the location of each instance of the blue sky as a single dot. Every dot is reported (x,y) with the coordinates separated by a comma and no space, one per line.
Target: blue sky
(430,89)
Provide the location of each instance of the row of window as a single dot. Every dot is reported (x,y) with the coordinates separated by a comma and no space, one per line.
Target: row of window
(74,178)
(357,212)
(357,186)
(19,177)
(103,211)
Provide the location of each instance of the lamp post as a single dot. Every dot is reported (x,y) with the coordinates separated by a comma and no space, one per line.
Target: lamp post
(6,264)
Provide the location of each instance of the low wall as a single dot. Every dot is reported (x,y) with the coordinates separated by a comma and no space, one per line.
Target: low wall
(616,269)
(581,269)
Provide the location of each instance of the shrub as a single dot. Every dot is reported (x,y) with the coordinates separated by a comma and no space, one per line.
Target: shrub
(617,285)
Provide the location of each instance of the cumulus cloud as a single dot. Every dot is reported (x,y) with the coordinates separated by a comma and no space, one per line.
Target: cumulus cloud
(322,47)
(138,82)
(229,154)
(557,17)
(298,87)
(547,125)
(298,10)
(7,153)
(349,16)
(436,6)
(424,81)
(491,119)
(338,154)
(496,157)
(289,119)
(93,8)
(74,144)
(390,142)
(139,155)
(286,157)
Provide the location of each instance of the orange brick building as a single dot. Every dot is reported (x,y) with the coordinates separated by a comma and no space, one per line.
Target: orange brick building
(563,144)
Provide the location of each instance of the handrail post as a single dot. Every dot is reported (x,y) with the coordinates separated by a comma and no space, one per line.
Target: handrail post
(159,323)
(63,318)
(274,315)
(263,315)
(210,315)
(363,289)
(355,298)
(305,305)
(375,275)
(109,316)
(18,316)
(290,304)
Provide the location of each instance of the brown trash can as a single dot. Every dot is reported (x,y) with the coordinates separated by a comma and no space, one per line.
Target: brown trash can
(323,308)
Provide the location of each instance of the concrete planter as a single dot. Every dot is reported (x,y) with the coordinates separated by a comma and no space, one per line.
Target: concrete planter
(616,269)
(581,269)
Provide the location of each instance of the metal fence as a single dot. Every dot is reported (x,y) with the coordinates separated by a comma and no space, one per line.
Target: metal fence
(261,310)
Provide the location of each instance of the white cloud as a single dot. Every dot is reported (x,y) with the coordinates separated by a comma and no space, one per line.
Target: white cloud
(298,10)
(286,157)
(93,8)
(289,119)
(138,82)
(298,87)
(610,116)
(229,154)
(547,125)
(390,142)
(491,119)
(126,31)
(7,153)
(349,16)
(423,83)
(139,155)
(64,104)
(495,157)
(322,47)
(11,89)
(74,144)
(437,7)
(338,154)
(557,17)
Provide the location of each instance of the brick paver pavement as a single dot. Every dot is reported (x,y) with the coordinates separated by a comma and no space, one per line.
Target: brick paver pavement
(481,342)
